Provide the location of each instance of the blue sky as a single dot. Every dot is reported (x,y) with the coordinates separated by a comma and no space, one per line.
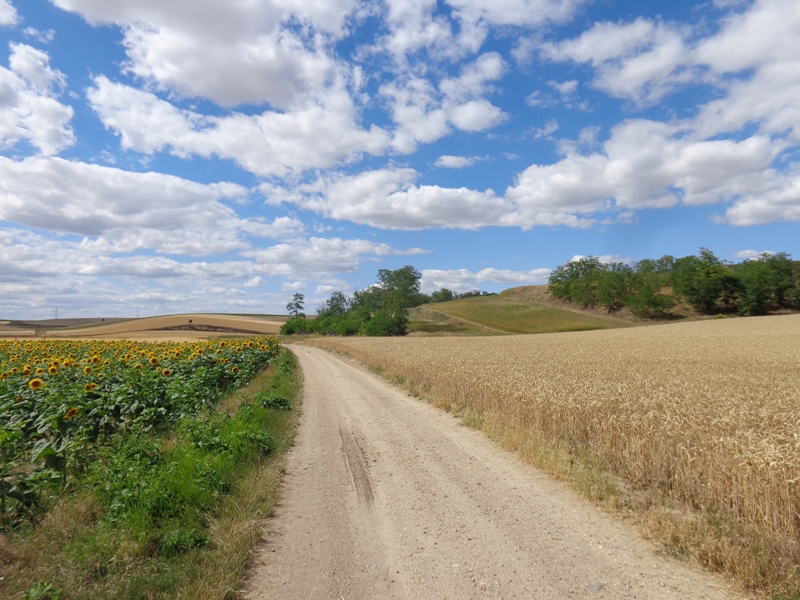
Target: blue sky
(168,156)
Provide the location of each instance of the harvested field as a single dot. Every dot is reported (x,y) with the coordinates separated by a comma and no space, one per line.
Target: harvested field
(171,327)
(707,413)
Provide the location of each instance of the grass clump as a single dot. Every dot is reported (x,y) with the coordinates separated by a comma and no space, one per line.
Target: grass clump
(163,515)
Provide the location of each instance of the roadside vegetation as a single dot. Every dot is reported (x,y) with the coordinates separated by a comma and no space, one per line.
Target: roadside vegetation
(137,470)
(689,428)
(651,288)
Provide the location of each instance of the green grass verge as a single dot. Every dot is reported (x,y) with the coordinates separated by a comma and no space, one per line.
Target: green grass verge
(173,515)
(516,315)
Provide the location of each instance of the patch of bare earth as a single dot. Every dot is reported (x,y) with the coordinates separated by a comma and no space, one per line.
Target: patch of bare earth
(388,497)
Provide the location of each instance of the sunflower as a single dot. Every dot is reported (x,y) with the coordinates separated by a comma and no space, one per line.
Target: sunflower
(87,370)
(36,384)
(166,373)
(52,370)
(71,413)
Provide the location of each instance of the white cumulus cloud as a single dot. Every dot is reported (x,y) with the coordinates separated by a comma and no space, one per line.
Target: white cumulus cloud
(29,107)
(8,14)
(447,161)
(318,256)
(516,12)
(465,280)
(271,143)
(641,60)
(120,211)
(388,199)
(234,53)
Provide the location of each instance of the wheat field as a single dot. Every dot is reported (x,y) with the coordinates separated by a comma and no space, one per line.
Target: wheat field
(708,412)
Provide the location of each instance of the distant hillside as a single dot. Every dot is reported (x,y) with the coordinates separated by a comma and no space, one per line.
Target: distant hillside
(528,309)
(58,323)
(540,293)
(167,327)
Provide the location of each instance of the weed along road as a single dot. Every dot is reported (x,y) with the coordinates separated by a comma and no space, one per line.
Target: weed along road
(388,497)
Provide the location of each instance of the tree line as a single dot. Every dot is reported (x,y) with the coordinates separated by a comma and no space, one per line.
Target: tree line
(651,287)
(379,310)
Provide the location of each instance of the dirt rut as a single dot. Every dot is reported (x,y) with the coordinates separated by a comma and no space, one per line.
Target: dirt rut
(387,497)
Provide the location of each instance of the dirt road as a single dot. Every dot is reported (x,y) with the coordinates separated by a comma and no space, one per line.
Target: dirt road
(387,497)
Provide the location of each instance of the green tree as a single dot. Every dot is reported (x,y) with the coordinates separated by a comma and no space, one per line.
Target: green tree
(337,305)
(782,275)
(295,307)
(298,324)
(615,286)
(380,309)
(399,290)
(386,303)
(648,282)
(385,324)
(767,281)
(442,295)
(756,286)
(560,282)
(664,266)
(577,281)
(792,298)
(700,280)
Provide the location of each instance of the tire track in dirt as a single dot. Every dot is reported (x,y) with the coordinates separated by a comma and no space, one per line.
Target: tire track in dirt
(387,497)
(357,465)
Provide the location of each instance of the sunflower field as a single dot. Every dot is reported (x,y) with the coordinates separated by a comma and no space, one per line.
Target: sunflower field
(62,401)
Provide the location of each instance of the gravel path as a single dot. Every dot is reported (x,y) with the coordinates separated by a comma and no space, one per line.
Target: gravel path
(388,497)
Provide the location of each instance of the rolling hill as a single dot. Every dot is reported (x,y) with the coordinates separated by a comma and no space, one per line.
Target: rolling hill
(169,327)
(528,309)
